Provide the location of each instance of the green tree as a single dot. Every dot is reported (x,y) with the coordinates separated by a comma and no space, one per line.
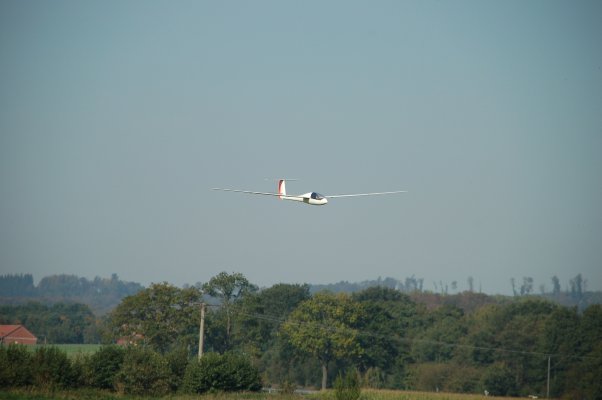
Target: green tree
(163,314)
(324,326)
(520,328)
(555,286)
(228,288)
(259,315)
(561,336)
(16,285)
(446,326)
(586,373)
(389,318)
(498,380)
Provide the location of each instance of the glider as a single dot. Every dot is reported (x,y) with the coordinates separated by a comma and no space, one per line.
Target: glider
(312,198)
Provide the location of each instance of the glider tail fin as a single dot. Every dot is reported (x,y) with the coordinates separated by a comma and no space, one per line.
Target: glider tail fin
(281,188)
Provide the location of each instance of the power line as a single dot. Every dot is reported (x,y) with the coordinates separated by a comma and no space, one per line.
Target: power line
(280,320)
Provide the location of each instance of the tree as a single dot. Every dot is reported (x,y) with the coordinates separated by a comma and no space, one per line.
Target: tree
(446,326)
(520,327)
(527,286)
(16,285)
(470,281)
(324,326)
(513,283)
(561,335)
(259,315)
(498,380)
(228,288)
(389,315)
(577,287)
(555,286)
(163,315)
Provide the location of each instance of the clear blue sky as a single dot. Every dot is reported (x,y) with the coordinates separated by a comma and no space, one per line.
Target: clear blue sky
(116,117)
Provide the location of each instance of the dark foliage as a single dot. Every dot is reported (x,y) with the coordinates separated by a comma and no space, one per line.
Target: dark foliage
(100,294)
(104,365)
(403,339)
(58,323)
(215,372)
(15,366)
(143,372)
(51,368)
(347,387)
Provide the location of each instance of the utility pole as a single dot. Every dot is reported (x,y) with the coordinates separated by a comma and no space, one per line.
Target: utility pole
(202,330)
(548,391)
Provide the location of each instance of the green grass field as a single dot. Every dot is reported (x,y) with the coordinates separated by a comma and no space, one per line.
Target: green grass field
(73,349)
(367,394)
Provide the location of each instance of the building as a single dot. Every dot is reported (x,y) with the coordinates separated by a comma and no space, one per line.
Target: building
(10,334)
(131,340)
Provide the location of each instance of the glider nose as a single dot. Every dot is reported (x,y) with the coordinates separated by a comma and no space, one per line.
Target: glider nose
(325,201)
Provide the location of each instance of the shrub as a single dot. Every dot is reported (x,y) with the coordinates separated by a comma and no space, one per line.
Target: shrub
(104,366)
(143,372)
(240,374)
(498,380)
(80,364)
(229,372)
(196,375)
(15,366)
(177,360)
(51,368)
(347,387)
(374,378)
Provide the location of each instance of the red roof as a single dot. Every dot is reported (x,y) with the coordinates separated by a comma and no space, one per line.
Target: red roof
(16,334)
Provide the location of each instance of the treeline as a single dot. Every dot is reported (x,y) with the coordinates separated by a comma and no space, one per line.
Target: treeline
(467,342)
(104,294)
(134,370)
(59,323)
(298,338)
(572,293)
(101,294)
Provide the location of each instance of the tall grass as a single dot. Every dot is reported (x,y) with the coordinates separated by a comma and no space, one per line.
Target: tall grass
(379,394)
(367,394)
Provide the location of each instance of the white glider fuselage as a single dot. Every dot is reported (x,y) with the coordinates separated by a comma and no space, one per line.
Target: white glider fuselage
(313,198)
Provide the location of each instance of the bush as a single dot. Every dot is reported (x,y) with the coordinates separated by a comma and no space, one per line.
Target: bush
(50,367)
(104,365)
(498,380)
(177,360)
(347,387)
(374,378)
(229,372)
(15,366)
(143,372)
(80,364)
